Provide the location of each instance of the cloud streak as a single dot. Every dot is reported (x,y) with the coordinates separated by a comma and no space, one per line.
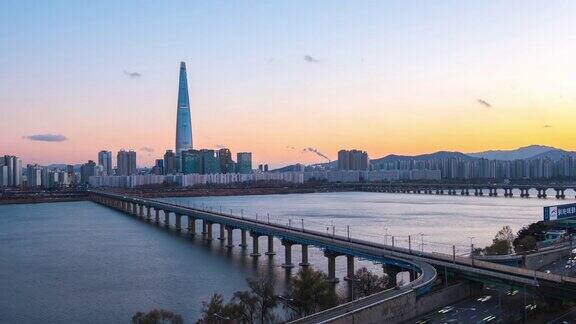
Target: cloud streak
(484,103)
(311,59)
(147,149)
(46,138)
(315,151)
(547,126)
(133,75)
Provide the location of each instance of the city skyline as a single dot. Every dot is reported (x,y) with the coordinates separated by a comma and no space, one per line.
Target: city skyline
(404,79)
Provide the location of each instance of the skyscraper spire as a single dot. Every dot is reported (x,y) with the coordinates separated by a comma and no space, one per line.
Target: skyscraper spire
(183,123)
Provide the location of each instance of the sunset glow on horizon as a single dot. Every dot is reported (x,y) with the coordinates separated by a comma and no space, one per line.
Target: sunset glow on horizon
(391,77)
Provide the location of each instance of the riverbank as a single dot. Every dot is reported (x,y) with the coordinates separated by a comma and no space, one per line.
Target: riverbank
(207,192)
(36,197)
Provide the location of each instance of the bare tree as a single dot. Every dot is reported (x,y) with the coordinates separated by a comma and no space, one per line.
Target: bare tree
(157,316)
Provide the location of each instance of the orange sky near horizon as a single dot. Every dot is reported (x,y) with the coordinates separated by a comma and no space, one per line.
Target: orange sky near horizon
(390,77)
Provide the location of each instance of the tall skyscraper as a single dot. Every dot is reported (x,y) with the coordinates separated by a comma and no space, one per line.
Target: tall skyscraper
(126,163)
(183,121)
(225,161)
(169,162)
(105,160)
(209,162)
(87,170)
(13,170)
(191,162)
(352,160)
(244,162)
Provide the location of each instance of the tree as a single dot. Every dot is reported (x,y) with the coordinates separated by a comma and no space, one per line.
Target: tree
(536,230)
(157,316)
(311,292)
(525,244)
(505,234)
(367,283)
(215,310)
(498,248)
(502,242)
(264,291)
(246,304)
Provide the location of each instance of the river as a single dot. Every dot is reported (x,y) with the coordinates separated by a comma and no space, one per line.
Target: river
(82,262)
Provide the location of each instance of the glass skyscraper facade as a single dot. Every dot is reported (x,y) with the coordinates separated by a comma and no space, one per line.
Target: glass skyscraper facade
(183,121)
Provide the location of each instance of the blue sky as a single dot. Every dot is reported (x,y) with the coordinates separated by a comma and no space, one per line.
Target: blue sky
(379,69)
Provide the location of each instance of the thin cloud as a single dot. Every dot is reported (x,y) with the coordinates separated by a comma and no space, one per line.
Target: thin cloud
(46,137)
(147,149)
(220,146)
(484,103)
(290,147)
(133,75)
(315,151)
(311,59)
(547,126)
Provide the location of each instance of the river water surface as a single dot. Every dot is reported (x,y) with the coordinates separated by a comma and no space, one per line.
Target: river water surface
(81,262)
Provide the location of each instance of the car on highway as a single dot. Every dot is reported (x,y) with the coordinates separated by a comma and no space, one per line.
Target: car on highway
(484,298)
(446,309)
(512,292)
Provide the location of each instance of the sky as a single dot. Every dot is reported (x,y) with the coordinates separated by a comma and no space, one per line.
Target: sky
(278,77)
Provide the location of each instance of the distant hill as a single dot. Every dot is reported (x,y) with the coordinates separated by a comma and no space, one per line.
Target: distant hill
(62,166)
(555,154)
(422,157)
(527,152)
(522,153)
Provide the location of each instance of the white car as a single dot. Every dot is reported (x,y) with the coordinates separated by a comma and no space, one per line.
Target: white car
(446,309)
(484,299)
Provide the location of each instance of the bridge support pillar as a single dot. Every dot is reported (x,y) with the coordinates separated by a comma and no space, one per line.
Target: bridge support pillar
(350,276)
(243,239)
(270,246)
(141,212)
(178,222)
(166,218)
(287,254)
(255,237)
(191,225)
(148,214)
(222,236)
(208,231)
(134,209)
(331,266)
(304,262)
(157,216)
(230,231)
(204,227)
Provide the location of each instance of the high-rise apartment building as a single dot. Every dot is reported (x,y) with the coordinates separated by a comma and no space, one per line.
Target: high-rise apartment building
(352,160)
(3,175)
(191,162)
(225,161)
(169,162)
(126,163)
(244,162)
(33,175)
(183,120)
(159,166)
(87,170)
(105,160)
(209,162)
(13,170)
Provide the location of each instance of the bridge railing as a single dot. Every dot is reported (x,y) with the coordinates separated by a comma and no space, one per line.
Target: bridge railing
(454,259)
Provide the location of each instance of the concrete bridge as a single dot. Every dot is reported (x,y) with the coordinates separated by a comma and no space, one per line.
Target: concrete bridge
(424,266)
(423,275)
(489,190)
